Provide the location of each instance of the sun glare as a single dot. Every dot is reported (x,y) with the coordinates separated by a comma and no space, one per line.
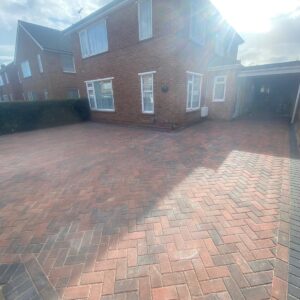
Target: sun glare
(254,15)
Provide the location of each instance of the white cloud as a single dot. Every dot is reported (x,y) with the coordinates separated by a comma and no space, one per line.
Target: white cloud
(57,14)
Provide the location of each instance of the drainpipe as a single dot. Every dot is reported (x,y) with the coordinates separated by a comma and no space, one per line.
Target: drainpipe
(296,106)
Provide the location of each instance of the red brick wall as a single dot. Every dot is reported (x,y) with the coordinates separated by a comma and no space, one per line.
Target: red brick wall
(221,110)
(52,79)
(169,53)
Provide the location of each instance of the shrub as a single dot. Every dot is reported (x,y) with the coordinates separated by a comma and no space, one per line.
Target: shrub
(23,116)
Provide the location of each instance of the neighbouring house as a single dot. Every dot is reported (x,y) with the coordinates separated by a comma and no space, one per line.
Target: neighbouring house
(10,86)
(45,63)
(155,62)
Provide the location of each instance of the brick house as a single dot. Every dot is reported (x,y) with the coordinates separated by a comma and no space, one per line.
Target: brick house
(45,63)
(149,62)
(10,86)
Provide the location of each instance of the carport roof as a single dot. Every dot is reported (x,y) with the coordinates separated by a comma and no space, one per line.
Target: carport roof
(291,67)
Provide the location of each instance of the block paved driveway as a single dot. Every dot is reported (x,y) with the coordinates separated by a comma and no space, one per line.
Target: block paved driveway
(112,212)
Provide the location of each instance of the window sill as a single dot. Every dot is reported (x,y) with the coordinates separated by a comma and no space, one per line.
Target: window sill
(104,110)
(145,40)
(218,100)
(98,54)
(148,113)
(66,72)
(192,110)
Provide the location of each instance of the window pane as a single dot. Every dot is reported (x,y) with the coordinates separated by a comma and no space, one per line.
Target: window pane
(40,63)
(1,81)
(196,92)
(68,63)
(104,95)
(73,94)
(147,93)
(97,37)
(92,102)
(26,69)
(198,24)
(84,43)
(148,102)
(219,91)
(190,94)
(145,19)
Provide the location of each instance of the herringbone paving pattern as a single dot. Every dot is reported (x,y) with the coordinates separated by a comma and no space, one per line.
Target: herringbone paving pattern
(122,213)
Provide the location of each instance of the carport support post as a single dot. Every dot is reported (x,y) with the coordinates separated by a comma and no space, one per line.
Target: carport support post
(296,106)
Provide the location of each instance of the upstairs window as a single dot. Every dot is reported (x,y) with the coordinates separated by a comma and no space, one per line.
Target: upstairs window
(68,63)
(100,94)
(26,69)
(219,89)
(194,85)
(197,24)
(219,44)
(39,59)
(93,40)
(1,80)
(145,19)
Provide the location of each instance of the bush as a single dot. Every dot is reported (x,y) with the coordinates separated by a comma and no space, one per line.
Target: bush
(23,116)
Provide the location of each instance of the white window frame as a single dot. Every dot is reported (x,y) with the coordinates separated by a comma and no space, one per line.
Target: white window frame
(214,90)
(27,63)
(39,60)
(139,19)
(88,46)
(189,109)
(142,91)
(93,89)
(74,68)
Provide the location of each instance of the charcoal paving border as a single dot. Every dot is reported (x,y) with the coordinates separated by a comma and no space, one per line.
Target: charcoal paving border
(294,253)
(25,281)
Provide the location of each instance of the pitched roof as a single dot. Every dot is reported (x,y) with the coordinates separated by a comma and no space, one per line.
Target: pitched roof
(95,15)
(49,39)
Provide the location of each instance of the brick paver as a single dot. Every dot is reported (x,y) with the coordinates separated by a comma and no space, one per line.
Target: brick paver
(112,212)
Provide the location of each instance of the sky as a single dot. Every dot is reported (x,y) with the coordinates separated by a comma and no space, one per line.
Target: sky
(270,28)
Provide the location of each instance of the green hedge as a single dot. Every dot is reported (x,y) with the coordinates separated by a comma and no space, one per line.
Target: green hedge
(23,116)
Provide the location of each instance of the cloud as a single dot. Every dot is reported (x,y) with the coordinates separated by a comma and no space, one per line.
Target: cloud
(58,14)
(280,44)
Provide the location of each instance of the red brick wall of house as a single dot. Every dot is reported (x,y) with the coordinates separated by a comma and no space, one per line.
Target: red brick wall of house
(53,79)
(221,110)
(169,53)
